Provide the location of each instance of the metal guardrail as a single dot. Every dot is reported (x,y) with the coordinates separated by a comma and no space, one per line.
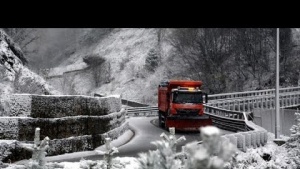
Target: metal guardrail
(227,119)
(142,111)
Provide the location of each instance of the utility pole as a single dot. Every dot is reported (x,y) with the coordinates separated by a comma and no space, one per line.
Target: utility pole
(277,106)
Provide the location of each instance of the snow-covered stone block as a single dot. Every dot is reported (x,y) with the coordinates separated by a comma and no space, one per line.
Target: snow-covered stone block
(253,139)
(262,138)
(247,139)
(241,142)
(9,128)
(115,133)
(71,144)
(265,137)
(16,105)
(258,143)
(111,103)
(83,143)
(55,106)
(5,148)
(233,139)
(22,128)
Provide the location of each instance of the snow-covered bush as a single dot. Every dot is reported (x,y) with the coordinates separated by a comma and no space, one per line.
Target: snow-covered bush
(38,160)
(212,153)
(163,157)
(110,151)
(295,129)
(293,143)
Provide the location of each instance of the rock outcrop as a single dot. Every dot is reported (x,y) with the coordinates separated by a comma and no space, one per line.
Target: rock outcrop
(14,76)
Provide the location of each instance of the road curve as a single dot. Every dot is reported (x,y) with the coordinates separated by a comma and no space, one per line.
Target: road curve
(146,130)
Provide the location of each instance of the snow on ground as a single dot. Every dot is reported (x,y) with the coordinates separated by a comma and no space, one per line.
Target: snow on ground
(275,157)
(252,159)
(124,138)
(123,162)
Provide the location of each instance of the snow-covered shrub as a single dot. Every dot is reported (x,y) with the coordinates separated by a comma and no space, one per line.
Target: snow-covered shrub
(212,153)
(171,139)
(110,151)
(39,149)
(293,143)
(163,157)
(295,129)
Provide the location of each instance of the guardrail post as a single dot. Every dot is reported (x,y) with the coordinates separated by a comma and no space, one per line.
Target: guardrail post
(228,105)
(294,99)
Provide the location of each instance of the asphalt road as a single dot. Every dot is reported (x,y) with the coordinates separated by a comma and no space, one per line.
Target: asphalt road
(145,131)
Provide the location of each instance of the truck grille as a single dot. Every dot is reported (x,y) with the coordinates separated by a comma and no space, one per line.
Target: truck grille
(187,111)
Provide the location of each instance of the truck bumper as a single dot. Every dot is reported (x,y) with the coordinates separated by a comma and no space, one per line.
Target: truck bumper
(187,122)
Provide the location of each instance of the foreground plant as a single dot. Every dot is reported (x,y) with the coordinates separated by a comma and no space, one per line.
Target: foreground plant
(38,160)
(211,153)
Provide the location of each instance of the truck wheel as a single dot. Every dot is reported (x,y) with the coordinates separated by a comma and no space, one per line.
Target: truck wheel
(165,121)
(165,126)
(160,119)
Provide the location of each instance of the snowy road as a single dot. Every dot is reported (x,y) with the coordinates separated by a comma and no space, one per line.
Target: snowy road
(145,131)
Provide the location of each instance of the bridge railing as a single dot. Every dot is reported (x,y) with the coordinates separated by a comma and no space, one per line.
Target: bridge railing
(247,104)
(252,93)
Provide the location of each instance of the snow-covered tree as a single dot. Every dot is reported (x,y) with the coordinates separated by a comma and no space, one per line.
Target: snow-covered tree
(293,143)
(152,60)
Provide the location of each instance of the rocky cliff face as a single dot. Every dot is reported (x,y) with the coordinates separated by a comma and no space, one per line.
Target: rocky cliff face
(14,76)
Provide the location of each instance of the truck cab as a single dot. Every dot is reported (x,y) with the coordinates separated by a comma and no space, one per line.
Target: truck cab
(180,104)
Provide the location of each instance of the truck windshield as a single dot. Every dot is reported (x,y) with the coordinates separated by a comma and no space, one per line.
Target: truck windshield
(187,97)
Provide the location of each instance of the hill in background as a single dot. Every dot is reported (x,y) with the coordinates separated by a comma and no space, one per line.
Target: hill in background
(132,61)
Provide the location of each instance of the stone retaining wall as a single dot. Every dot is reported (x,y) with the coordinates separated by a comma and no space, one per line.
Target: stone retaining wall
(73,123)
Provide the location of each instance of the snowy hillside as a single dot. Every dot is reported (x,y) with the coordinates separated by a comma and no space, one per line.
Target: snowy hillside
(125,52)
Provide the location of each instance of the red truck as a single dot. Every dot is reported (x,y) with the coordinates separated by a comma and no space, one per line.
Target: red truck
(180,105)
